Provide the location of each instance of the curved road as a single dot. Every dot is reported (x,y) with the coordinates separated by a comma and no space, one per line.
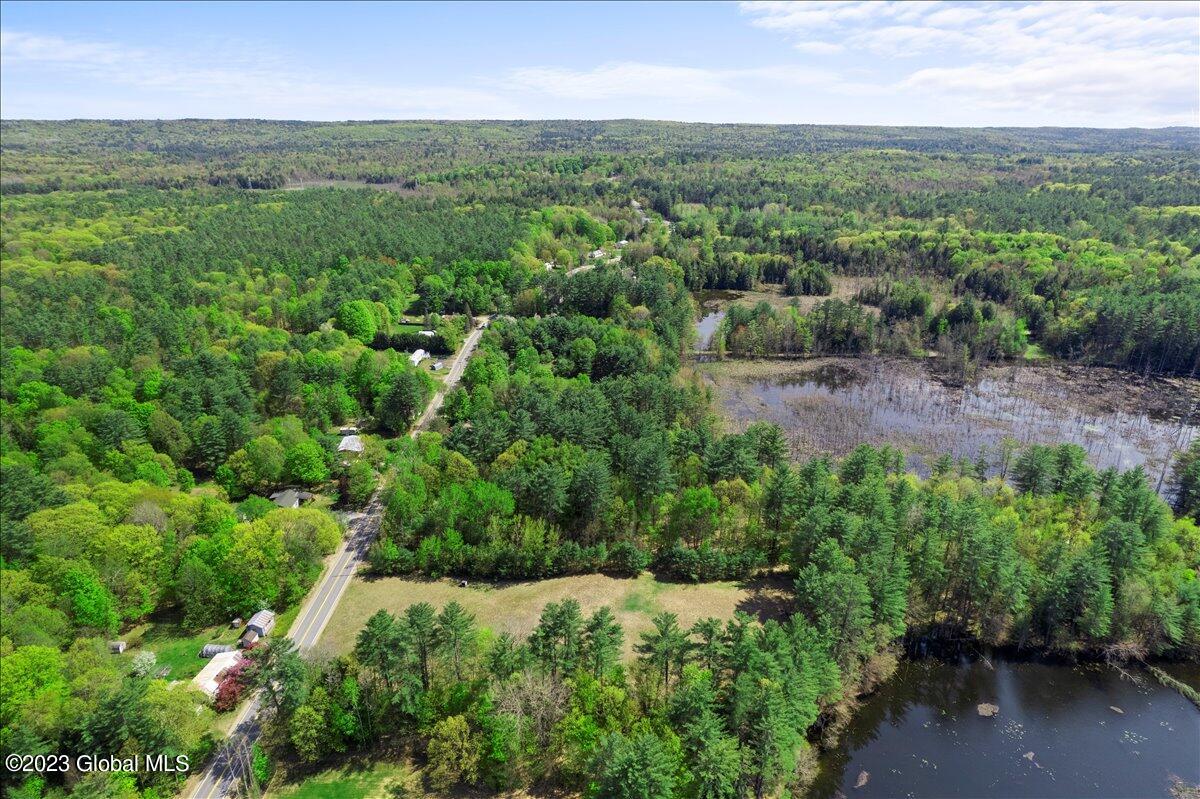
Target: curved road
(224,773)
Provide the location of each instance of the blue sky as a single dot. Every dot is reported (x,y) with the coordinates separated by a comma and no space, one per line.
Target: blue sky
(924,63)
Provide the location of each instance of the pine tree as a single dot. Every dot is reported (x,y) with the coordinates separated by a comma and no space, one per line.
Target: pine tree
(419,622)
(665,646)
(603,637)
(454,634)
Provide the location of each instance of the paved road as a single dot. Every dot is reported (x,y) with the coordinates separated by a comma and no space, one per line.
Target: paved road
(224,773)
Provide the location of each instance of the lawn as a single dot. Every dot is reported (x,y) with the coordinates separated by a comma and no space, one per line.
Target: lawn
(515,607)
(180,649)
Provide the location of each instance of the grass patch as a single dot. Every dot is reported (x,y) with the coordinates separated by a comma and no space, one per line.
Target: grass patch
(376,780)
(179,649)
(515,607)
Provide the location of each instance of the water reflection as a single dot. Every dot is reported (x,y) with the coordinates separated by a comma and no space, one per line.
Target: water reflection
(921,734)
(841,403)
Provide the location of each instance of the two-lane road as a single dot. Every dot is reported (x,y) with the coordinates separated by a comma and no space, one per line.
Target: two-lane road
(224,773)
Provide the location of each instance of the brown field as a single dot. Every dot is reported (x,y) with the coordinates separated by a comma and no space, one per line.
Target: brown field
(515,607)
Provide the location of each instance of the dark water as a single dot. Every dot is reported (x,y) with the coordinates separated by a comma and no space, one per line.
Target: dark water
(921,734)
(835,407)
(705,329)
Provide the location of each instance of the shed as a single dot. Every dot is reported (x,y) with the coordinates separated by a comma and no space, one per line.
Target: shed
(350,444)
(290,497)
(210,676)
(262,623)
(418,356)
(427,333)
(209,650)
(438,365)
(117,647)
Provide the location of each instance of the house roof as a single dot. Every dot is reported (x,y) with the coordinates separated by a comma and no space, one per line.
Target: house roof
(262,618)
(210,676)
(351,444)
(290,497)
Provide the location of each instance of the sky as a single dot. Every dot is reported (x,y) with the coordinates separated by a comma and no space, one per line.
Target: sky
(1096,64)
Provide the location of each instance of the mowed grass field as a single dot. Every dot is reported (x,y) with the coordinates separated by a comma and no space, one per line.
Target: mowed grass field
(515,607)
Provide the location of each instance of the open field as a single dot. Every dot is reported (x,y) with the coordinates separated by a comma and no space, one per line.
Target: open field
(515,607)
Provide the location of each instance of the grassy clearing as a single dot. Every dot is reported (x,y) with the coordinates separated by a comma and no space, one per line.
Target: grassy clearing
(374,780)
(515,607)
(180,649)
(844,288)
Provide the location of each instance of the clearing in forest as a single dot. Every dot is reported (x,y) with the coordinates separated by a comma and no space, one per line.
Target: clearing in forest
(514,607)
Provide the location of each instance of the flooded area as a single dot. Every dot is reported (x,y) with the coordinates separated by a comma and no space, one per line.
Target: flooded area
(1058,731)
(831,405)
(705,329)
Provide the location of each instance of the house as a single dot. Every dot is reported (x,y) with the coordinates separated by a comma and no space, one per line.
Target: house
(622,242)
(209,677)
(211,650)
(290,497)
(117,647)
(259,626)
(349,430)
(596,254)
(350,444)
(418,356)
(437,366)
(427,333)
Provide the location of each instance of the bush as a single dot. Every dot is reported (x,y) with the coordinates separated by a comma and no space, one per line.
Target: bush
(706,563)
(625,558)
(261,765)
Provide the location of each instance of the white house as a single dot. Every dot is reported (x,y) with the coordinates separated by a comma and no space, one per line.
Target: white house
(210,676)
(418,356)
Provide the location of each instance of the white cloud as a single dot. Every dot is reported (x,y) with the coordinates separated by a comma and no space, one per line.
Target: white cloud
(629,79)
(247,83)
(1081,62)
(678,84)
(819,48)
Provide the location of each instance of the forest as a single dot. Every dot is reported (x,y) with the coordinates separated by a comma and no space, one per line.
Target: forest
(194,311)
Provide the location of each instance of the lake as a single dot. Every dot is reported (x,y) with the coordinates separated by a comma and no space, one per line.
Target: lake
(1056,733)
(831,405)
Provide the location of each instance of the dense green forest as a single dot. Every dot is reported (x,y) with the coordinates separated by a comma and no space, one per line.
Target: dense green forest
(188,321)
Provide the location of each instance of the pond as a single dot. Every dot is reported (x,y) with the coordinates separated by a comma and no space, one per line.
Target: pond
(1060,731)
(831,405)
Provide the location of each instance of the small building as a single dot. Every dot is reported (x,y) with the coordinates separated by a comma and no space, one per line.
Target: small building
(427,333)
(212,650)
(437,366)
(596,254)
(259,626)
(418,356)
(349,430)
(209,677)
(622,242)
(350,444)
(290,497)
(117,647)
